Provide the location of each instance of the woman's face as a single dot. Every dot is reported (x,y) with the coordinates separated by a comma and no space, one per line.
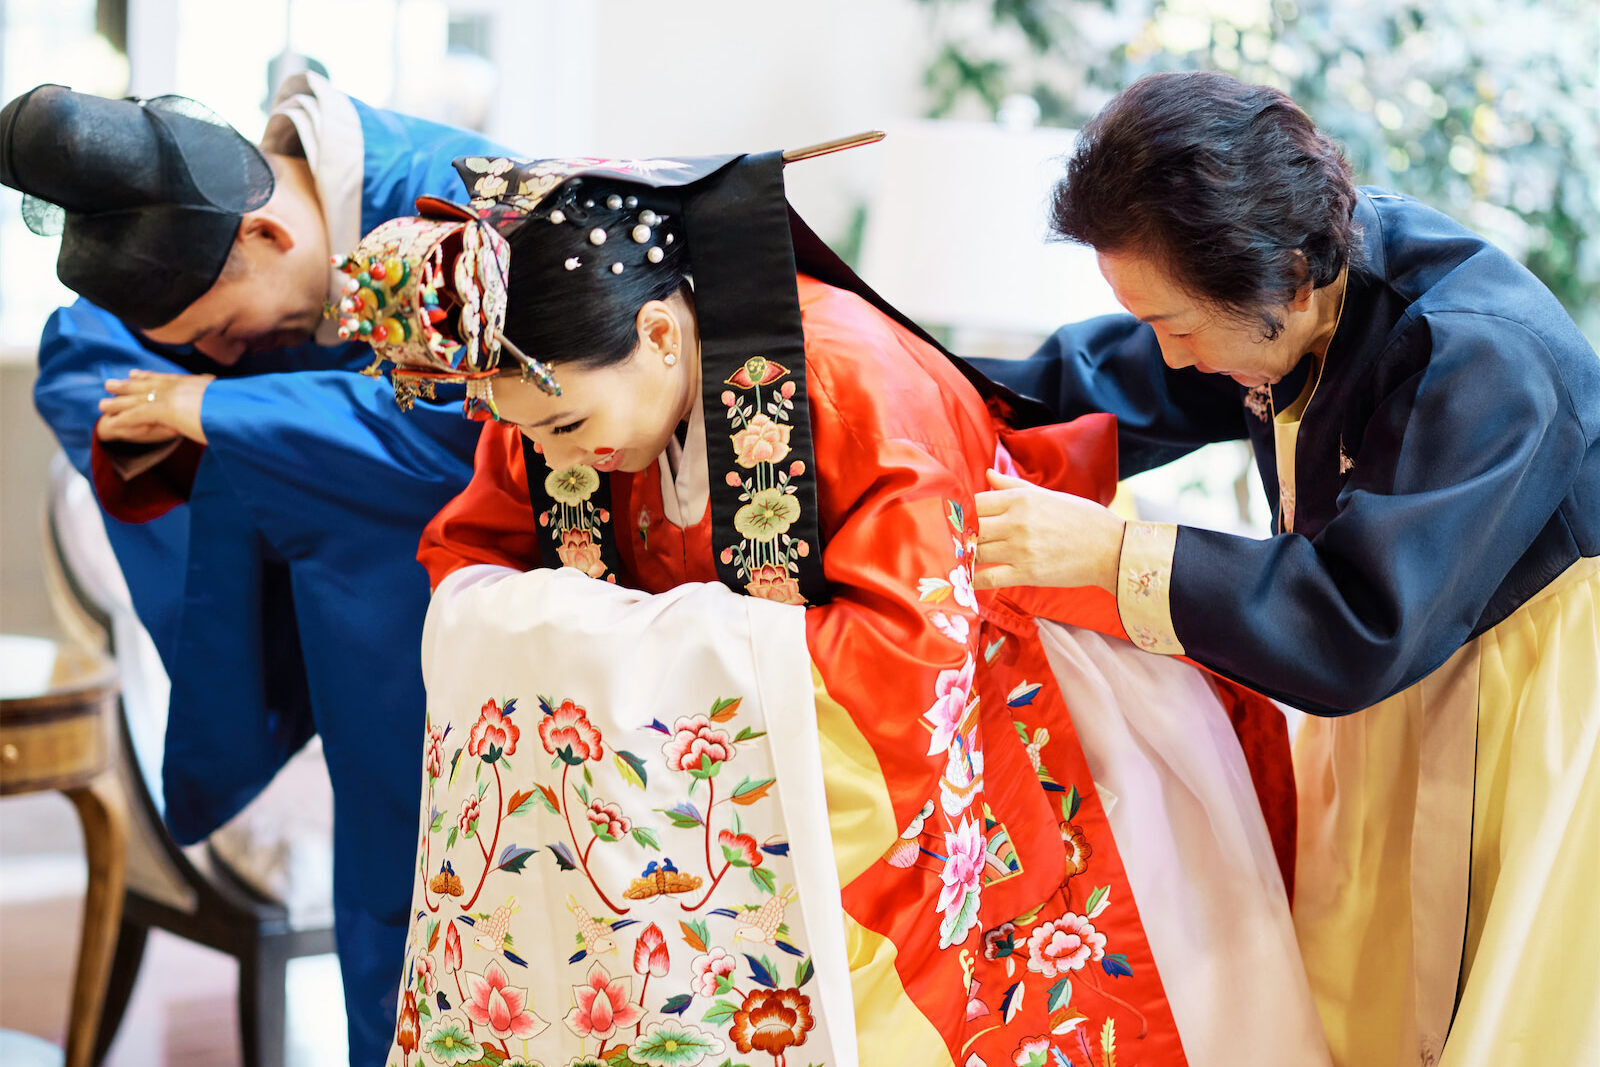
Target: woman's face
(1193,334)
(617,417)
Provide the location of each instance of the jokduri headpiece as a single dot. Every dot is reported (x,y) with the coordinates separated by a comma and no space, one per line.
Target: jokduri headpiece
(146,195)
(428,293)
(746,246)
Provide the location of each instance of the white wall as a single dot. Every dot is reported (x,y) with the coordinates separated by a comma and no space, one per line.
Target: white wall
(640,78)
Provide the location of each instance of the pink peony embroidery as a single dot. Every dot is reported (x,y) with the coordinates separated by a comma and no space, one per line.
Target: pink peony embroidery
(426,979)
(569,727)
(771,581)
(708,969)
(761,440)
(961,588)
(603,1005)
(469,815)
(578,551)
(1031,1051)
(949,705)
(494,1003)
(1000,942)
(741,847)
(964,864)
(1063,945)
(694,737)
(435,762)
(492,729)
(608,819)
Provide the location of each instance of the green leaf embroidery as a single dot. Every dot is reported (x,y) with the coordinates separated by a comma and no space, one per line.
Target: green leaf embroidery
(631,768)
(803,972)
(1095,898)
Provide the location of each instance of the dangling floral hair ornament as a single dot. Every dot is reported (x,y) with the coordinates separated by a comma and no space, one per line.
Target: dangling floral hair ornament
(428,293)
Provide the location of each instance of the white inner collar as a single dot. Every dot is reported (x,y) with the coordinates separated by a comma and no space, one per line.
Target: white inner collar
(685,481)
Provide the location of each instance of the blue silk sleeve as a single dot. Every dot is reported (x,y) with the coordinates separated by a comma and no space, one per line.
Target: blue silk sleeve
(323,460)
(80,348)
(408,157)
(1113,363)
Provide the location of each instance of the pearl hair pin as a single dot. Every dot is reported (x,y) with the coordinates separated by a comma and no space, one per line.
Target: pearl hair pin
(597,236)
(573,262)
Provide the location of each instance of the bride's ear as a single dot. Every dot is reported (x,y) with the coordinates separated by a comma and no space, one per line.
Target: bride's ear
(660,334)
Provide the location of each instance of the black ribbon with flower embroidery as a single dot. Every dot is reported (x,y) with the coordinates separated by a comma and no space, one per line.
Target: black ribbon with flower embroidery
(572,507)
(765,530)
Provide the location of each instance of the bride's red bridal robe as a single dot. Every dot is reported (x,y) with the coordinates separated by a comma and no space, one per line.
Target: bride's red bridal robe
(917,824)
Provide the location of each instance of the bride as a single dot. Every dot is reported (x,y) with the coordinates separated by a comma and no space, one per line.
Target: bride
(726,759)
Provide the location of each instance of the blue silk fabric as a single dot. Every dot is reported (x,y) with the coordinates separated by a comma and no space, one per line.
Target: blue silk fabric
(285,597)
(1446,470)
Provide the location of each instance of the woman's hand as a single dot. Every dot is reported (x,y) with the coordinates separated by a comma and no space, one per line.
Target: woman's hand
(147,407)
(1028,535)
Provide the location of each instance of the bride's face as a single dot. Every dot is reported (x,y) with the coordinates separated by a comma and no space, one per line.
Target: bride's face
(616,417)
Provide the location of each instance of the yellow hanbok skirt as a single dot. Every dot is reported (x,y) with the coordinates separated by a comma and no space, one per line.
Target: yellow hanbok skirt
(1448,880)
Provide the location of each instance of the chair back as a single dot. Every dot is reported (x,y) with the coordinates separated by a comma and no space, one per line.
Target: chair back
(90,599)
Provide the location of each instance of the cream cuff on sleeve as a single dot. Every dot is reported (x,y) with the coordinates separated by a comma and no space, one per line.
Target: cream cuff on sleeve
(1144,586)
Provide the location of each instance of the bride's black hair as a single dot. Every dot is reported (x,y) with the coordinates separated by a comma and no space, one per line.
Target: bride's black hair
(573,299)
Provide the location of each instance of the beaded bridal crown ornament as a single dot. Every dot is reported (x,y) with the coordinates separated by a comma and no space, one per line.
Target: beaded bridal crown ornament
(428,294)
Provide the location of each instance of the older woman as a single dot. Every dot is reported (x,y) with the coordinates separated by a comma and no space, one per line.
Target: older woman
(1427,415)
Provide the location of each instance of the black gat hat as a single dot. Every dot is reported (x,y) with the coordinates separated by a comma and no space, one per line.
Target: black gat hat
(147,195)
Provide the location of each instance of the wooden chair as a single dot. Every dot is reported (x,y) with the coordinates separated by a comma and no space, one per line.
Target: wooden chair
(192,892)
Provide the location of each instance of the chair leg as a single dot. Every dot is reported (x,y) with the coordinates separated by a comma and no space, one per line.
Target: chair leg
(263,1002)
(125,962)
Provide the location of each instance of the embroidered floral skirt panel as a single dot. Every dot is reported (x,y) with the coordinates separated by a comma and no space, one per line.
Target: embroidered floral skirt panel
(650,836)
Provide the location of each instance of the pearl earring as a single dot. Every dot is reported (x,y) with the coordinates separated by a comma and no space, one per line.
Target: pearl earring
(670,359)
